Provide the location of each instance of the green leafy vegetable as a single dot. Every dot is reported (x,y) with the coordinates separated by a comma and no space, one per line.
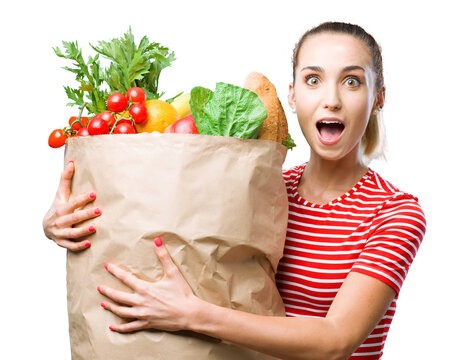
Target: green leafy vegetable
(289,142)
(130,65)
(199,97)
(133,65)
(89,75)
(229,111)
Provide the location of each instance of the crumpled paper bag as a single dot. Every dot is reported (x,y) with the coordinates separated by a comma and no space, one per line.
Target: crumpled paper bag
(220,206)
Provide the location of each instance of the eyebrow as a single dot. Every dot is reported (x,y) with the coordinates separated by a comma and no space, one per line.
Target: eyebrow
(345,69)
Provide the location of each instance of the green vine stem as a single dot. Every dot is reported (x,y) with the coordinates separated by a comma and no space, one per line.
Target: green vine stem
(121,118)
(69,129)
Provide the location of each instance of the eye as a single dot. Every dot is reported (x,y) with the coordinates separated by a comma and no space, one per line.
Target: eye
(352,82)
(312,80)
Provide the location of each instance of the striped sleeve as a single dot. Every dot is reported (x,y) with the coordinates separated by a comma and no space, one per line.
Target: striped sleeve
(396,235)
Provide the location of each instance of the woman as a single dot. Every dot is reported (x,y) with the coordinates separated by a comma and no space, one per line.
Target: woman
(351,235)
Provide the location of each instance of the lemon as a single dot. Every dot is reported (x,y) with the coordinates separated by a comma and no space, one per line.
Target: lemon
(182,105)
(160,115)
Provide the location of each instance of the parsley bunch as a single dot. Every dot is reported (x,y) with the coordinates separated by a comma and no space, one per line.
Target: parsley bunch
(130,65)
(89,75)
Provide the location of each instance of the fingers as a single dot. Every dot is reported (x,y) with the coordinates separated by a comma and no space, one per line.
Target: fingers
(63,190)
(76,202)
(74,233)
(73,245)
(119,310)
(169,266)
(77,217)
(130,326)
(60,218)
(120,297)
(125,276)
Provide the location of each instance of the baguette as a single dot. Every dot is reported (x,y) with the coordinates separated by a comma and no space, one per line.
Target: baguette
(275,126)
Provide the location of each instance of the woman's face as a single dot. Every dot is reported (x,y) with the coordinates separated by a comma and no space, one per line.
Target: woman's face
(334,93)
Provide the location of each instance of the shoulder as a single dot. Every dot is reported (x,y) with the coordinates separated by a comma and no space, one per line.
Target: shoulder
(397,205)
(293,173)
(386,190)
(397,231)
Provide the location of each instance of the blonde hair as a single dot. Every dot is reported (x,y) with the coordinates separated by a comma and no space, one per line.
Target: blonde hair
(373,143)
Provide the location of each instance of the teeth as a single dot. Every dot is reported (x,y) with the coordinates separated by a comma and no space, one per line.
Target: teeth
(330,122)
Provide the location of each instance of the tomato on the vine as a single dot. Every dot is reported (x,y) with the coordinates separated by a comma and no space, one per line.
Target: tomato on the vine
(108,117)
(124,128)
(124,121)
(117,102)
(84,120)
(136,95)
(139,113)
(83,132)
(57,138)
(98,126)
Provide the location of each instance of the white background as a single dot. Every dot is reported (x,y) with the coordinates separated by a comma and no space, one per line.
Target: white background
(224,41)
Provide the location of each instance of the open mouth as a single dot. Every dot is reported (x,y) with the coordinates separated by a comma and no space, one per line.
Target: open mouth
(330,131)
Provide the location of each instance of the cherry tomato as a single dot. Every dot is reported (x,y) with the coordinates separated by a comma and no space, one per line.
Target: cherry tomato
(136,95)
(57,138)
(139,113)
(117,102)
(98,126)
(84,120)
(124,128)
(83,132)
(124,121)
(108,117)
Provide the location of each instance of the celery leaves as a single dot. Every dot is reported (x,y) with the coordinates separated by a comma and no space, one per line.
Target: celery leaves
(133,65)
(129,65)
(88,75)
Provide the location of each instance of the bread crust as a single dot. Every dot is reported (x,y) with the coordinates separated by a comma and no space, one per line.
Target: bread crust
(275,127)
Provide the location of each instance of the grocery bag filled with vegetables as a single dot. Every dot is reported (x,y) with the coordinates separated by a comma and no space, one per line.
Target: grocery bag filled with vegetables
(203,170)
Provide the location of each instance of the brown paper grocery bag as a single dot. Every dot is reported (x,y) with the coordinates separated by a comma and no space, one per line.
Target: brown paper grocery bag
(220,206)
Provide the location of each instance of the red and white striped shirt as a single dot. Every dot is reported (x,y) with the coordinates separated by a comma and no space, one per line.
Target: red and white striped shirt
(374,229)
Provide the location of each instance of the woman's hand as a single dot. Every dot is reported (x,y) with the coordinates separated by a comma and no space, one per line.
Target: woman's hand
(166,304)
(63,214)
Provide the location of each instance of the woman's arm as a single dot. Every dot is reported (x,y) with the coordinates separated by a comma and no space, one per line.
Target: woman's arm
(358,307)
(169,304)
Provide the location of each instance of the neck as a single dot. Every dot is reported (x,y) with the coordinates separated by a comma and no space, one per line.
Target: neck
(324,180)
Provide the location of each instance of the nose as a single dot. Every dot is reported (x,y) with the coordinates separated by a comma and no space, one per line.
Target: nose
(331,98)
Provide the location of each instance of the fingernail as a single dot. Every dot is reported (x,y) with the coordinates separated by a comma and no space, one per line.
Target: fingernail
(97,211)
(98,288)
(92,228)
(70,162)
(103,305)
(106,266)
(92,195)
(87,244)
(158,242)
(111,328)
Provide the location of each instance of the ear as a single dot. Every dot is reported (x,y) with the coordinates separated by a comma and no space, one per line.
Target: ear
(380,99)
(291,97)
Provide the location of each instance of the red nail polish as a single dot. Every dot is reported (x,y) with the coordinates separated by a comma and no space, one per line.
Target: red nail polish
(103,305)
(97,211)
(92,228)
(111,328)
(158,242)
(106,266)
(92,195)
(87,244)
(70,162)
(98,288)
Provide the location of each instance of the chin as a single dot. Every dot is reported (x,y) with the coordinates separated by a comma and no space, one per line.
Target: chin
(330,155)
(335,152)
